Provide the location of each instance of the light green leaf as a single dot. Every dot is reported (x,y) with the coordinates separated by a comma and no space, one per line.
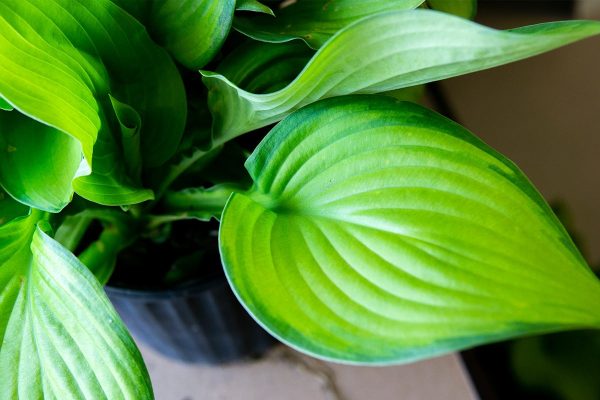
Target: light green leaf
(397,49)
(314,21)
(253,5)
(47,81)
(61,338)
(4,105)
(379,231)
(261,67)
(62,76)
(35,156)
(130,124)
(462,8)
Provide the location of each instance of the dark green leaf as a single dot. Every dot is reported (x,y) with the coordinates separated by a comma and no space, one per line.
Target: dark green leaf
(462,8)
(10,208)
(100,257)
(130,123)
(413,94)
(193,158)
(191,30)
(4,105)
(264,67)
(565,364)
(253,5)
(71,230)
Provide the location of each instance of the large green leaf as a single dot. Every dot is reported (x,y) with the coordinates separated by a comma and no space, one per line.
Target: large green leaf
(61,338)
(397,49)
(314,21)
(61,59)
(378,231)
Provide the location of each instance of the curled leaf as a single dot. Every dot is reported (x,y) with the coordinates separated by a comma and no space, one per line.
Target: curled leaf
(314,21)
(62,76)
(397,50)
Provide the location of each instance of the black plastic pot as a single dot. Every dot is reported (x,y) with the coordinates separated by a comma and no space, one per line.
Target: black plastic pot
(203,323)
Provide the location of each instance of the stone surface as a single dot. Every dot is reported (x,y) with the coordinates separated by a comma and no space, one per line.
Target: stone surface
(285,374)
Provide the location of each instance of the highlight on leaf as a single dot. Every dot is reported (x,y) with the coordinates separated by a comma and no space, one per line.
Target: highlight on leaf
(56,323)
(314,21)
(63,80)
(398,50)
(193,31)
(364,229)
(378,231)
(254,6)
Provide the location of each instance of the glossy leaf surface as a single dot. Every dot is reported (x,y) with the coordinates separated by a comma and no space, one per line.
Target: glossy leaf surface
(261,67)
(62,76)
(378,231)
(33,156)
(192,30)
(61,337)
(397,49)
(254,6)
(314,21)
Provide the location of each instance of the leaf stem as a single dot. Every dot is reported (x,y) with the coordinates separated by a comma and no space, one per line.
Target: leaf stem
(175,170)
(101,255)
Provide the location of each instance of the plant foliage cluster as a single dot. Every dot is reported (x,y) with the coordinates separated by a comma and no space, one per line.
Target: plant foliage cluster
(367,229)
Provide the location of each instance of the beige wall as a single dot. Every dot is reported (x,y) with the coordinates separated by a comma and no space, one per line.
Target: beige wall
(587,9)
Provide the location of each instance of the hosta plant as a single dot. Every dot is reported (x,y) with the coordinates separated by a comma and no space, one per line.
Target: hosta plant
(367,229)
